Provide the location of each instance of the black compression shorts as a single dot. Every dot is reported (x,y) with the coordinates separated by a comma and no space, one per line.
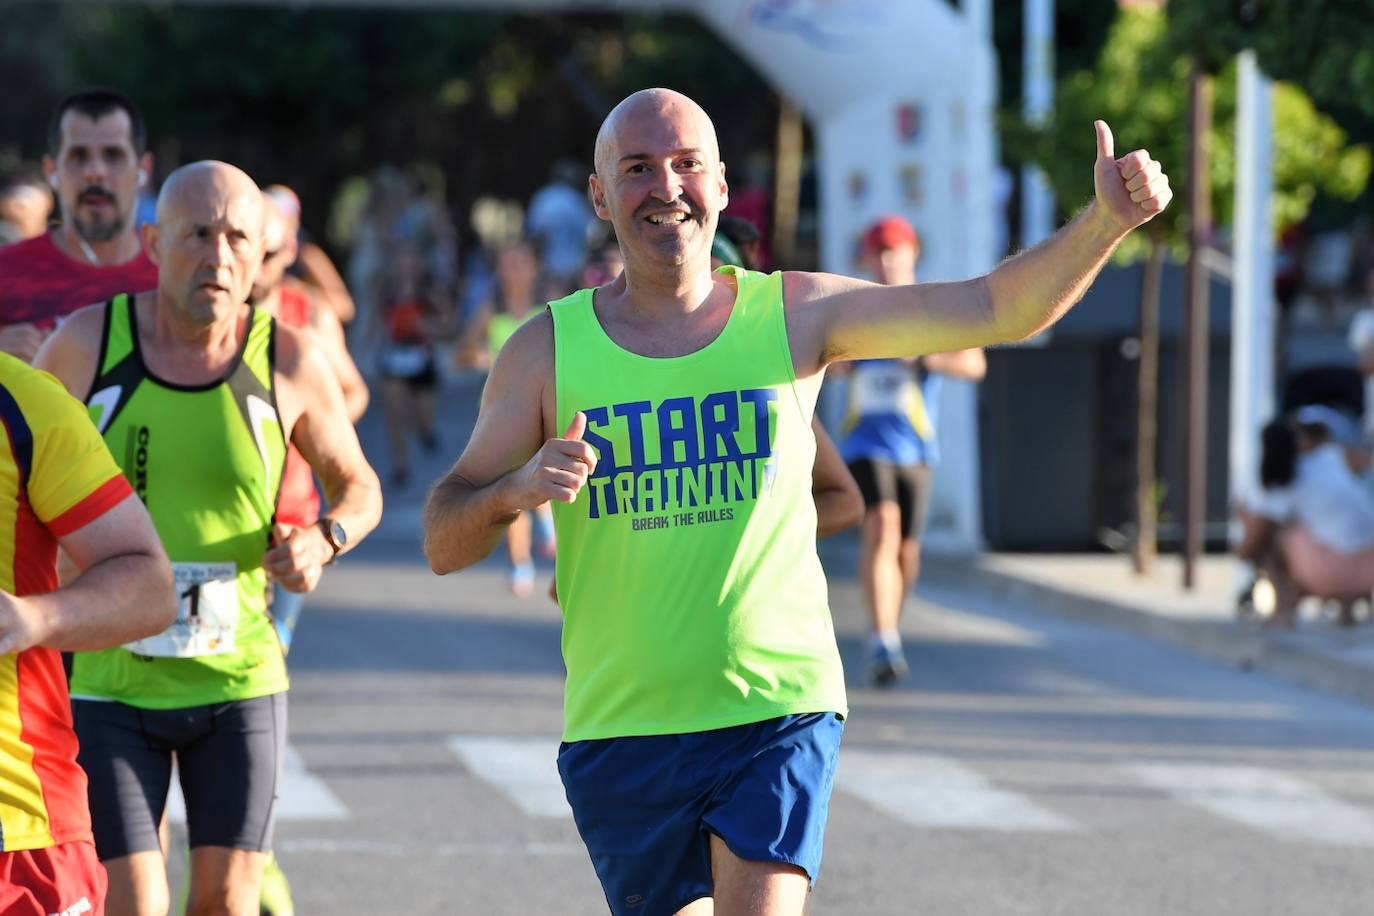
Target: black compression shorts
(229,756)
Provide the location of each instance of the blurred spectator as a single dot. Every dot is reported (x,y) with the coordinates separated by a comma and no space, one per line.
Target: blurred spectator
(605,265)
(97,161)
(751,202)
(26,205)
(517,297)
(1311,529)
(409,313)
(892,449)
(311,265)
(745,238)
(1326,268)
(425,224)
(387,198)
(1362,342)
(559,219)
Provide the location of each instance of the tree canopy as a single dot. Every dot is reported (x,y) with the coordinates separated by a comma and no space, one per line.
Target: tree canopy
(1140,87)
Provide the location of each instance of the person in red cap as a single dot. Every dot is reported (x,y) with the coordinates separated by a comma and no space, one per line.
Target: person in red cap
(891,448)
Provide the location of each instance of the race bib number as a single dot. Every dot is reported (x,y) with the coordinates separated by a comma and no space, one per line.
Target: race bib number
(207,614)
(882,389)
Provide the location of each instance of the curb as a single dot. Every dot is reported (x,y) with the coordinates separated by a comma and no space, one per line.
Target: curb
(1231,643)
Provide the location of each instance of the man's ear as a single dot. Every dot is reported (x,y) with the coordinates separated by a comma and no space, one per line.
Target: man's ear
(598,195)
(147,237)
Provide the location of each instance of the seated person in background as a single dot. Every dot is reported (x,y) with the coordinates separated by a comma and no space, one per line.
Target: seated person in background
(1311,531)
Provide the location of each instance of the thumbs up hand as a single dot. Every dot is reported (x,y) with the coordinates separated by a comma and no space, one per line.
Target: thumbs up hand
(1130,190)
(559,470)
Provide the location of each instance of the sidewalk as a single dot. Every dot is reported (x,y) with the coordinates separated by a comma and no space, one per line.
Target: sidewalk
(1102,588)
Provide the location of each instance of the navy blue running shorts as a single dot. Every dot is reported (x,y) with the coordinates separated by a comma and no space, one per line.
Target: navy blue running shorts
(647,806)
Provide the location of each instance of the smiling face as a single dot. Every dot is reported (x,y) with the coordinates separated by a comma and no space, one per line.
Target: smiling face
(96,168)
(207,241)
(659,178)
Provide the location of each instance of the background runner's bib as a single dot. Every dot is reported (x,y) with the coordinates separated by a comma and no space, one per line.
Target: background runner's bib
(692,594)
(207,461)
(891,413)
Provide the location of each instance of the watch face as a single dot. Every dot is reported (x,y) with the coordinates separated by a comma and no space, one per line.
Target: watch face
(337,534)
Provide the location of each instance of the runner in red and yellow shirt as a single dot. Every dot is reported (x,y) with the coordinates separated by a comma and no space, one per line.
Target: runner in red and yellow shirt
(59,486)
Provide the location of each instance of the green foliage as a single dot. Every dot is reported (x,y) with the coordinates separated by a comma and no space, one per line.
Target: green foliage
(1326,46)
(1140,87)
(317,95)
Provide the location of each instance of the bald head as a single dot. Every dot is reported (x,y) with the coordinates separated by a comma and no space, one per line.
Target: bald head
(279,248)
(275,223)
(639,114)
(207,240)
(208,183)
(660,182)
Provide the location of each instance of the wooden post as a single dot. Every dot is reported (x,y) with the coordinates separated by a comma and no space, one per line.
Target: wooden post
(1147,415)
(1198,338)
(787,175)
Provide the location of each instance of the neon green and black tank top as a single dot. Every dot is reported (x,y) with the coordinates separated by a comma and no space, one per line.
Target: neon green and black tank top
(207,462)
(692,595)
(501,326)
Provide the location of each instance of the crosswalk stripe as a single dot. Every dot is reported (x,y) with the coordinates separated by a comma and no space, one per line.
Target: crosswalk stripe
(937,792)
(1269,801)
(302,795)
(523,769)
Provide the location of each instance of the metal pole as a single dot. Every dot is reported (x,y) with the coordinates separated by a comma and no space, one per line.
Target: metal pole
(1252,296)
(1199,232)
(1037,101)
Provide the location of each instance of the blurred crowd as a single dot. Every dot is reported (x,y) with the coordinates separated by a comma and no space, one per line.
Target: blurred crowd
(422,295)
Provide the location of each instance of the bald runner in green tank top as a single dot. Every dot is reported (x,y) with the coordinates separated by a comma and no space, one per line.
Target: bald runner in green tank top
(692,594)
(207,462)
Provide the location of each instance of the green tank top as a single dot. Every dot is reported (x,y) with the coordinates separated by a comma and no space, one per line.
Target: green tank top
(692,595)
(501,326)
(207,462)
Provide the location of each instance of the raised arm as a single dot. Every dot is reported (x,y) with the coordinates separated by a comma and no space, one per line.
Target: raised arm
(313,410)
(513,462)
(832,318)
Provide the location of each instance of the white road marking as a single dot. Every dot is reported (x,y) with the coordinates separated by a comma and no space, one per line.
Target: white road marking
(1287,808)
(937,792)
(303,796)
(375,848)
(523,769)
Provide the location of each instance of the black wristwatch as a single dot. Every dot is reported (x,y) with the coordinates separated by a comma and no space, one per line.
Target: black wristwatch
(334,534)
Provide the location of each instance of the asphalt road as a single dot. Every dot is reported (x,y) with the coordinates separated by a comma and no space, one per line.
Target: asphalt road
(1030,765)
